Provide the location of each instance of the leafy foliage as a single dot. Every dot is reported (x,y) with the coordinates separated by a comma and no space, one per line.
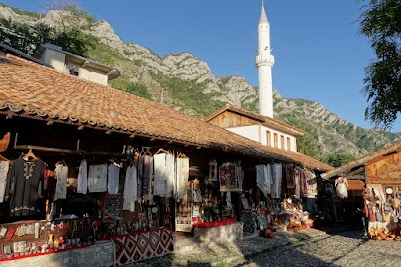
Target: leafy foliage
(307,145)
(340,158)
(381,23)
(28,39)
(189,94)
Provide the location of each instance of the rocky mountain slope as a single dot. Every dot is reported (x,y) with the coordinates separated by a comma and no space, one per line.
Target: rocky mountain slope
(186,83)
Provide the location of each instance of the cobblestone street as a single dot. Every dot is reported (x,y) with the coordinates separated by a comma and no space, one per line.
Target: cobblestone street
(309,247)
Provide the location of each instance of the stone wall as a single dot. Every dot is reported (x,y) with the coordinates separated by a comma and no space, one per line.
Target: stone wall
(220,233)
(97,255)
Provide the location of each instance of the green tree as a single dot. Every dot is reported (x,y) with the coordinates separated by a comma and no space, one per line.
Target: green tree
(307,145)
(339,158)
(75,41)
(380,21)
(28,39)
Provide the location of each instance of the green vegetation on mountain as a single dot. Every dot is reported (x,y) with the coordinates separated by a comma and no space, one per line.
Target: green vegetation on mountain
(186,83)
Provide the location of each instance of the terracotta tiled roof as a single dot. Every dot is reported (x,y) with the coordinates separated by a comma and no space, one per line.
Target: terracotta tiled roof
(363,160)
(355,185)
(31,90)
(265,120)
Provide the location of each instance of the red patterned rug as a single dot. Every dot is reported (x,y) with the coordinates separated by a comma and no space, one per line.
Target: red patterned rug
(143,245)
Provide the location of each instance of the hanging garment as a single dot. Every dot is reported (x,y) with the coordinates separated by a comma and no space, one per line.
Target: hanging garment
(24,183)
(160,174)
(182,177)
(141,160)
(60,174)
(213,171)
(297,179)
(277,172)
(4,168)
(289,171)
(170,175)
(82,181)
(130,188)
(97,178)
(113,176)
(311,181)
(304,184)
(263,178)
(228,178)
(341,187)
(228,200)
(147,174)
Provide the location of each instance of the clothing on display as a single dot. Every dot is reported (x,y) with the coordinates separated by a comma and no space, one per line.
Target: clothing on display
(213,171)
(147,174)
(26,175)
(170,175)
(113,177)
(182,177)
(97,178)
(277,172)
(263,178)
(61,173)
(130,188)
(82,180)
(160,174)
(342,187)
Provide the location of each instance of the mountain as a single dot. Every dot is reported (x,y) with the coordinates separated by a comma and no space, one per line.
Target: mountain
(186,83)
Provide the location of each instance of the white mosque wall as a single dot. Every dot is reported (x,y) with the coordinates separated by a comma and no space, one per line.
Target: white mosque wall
(267,136)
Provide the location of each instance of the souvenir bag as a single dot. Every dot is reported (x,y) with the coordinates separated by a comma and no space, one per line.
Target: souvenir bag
(29,229)
(3,232)
(20,231)
(10,232)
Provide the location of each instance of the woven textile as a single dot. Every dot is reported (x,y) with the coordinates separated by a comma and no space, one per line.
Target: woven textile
(140,246)
(249,222)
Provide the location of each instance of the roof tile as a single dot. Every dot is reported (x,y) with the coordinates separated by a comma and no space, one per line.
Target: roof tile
(40,91)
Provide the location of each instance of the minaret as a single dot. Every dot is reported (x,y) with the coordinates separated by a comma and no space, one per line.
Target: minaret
(264,62)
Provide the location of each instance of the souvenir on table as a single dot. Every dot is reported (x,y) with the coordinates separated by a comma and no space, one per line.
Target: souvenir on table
(7,249)
(19,246)
(196,211)
(29,229)
(10,232)
(20,231)
(3,232)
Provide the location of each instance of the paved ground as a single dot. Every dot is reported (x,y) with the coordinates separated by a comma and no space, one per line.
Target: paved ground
(308,247)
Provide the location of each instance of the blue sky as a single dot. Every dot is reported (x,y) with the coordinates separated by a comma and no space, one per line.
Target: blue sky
(319,54)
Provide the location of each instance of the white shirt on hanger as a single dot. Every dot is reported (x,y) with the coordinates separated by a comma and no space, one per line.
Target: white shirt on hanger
(113,178)
(82,181)
(97,178)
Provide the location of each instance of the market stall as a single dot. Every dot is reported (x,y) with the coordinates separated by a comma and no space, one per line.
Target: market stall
(57,200)
(281,194)
(206,207)
(382,197)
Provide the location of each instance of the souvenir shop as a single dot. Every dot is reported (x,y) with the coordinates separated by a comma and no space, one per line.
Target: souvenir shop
(209,208)
(65,201)
(282,200)
(69,204)
(382,197)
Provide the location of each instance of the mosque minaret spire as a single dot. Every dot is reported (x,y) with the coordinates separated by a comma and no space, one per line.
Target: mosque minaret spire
(264,62)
